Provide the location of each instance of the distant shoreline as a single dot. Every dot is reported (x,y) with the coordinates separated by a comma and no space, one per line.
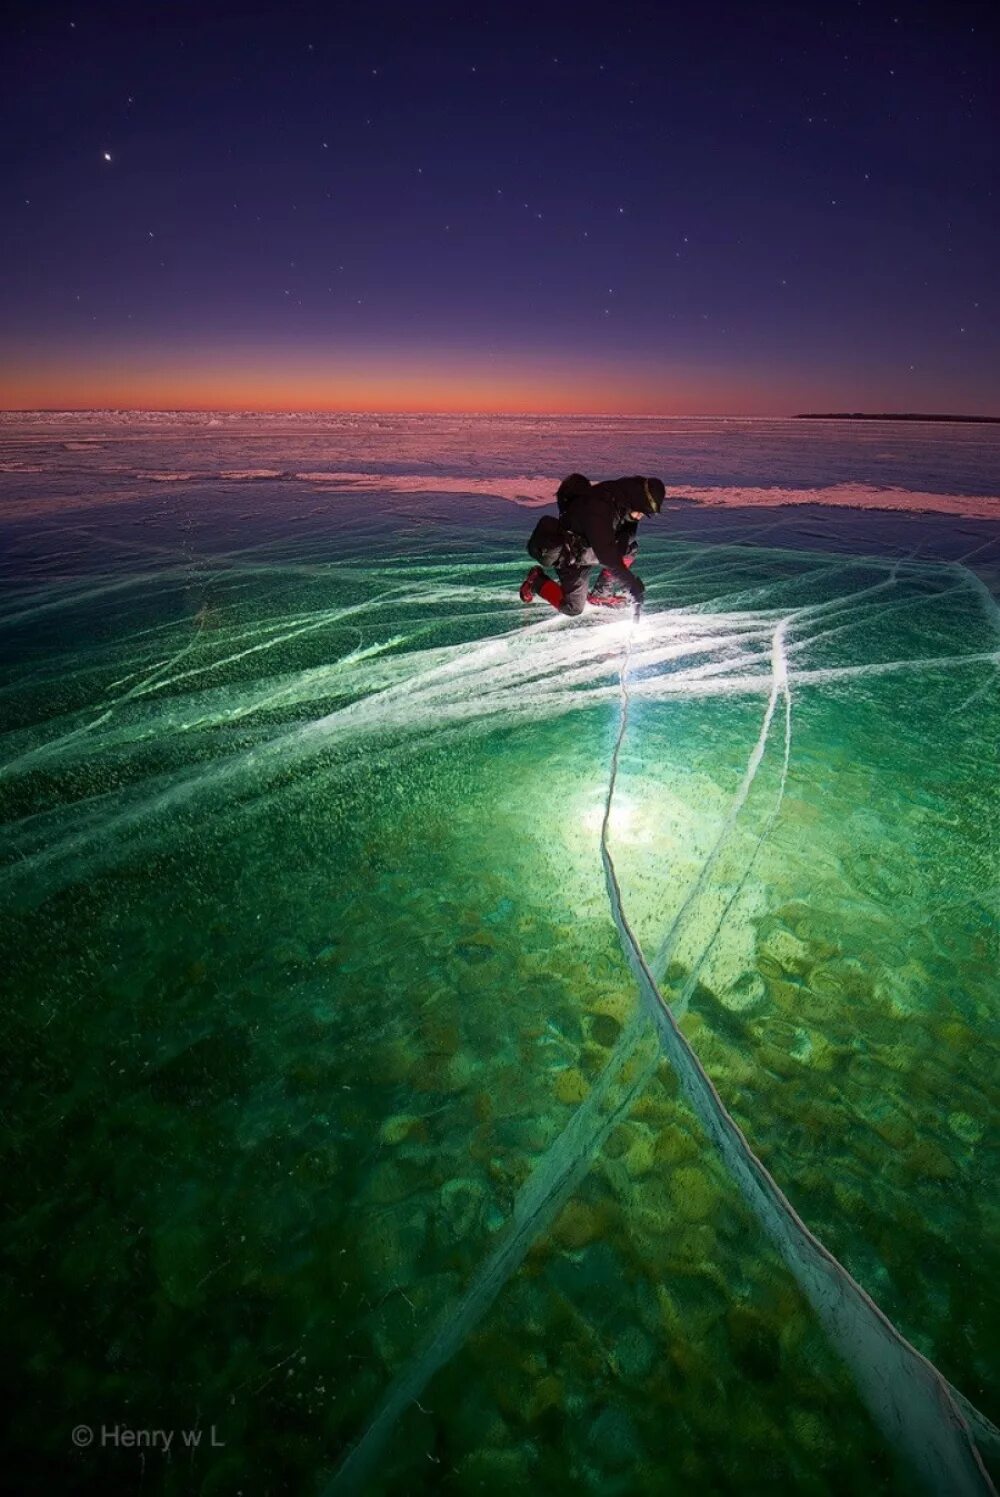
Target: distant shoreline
(887,416)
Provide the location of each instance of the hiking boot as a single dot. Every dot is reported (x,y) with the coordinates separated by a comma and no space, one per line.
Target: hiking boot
(603,587)
(531,584)
(607,591)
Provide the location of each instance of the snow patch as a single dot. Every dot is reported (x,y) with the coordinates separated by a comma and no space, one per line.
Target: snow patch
(522,489)
(849,496)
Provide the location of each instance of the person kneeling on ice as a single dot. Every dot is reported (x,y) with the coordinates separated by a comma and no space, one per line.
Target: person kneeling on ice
(597,525)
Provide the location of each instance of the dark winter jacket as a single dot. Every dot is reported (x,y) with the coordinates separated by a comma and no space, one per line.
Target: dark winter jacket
(599,516)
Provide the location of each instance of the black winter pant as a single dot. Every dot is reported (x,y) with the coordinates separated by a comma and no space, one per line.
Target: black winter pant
(575,583)
(573,568)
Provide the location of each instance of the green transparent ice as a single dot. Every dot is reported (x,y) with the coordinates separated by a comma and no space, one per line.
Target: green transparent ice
(310,965)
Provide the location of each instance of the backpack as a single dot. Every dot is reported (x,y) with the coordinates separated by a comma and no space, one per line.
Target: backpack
(547,540)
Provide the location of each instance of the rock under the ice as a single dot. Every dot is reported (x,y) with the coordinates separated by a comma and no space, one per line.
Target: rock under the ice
(592,1061)
(577,1224)
(876,875)
(801,1047)
(648,1309)
(694,1196)
(463,1203)
(613,1438)
(461,1072)
(640,1157)
(394,1061)
(571,1086)
(634,1353)
(812,925)
(728,1064)
(842,980)
(547,1393)
(965,1127)
(811,1432)
(747,993)
(604,1029)
(820,1052)
(445,1073)
(781,952)
(431,1292)
(675,1143)
(793,1329)
(657,1105)
(618,1141)
(400,1127)
(494,1217)
(853,1201)
(889,1121)
(754,1342)
(648,1229)
(926,1160)
(776,1058)
(475,950)
(532,1134)
(619,1004)
(439,1031)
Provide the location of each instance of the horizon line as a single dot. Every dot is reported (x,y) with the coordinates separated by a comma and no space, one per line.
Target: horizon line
(264,410)
(549,415)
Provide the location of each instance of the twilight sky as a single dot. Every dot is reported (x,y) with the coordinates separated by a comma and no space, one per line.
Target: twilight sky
(640,207)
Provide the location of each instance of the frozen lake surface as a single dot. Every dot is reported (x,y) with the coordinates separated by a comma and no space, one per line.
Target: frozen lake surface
(340,1113)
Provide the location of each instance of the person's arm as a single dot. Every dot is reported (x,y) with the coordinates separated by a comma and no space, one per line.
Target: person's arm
(604,543)
(625,535)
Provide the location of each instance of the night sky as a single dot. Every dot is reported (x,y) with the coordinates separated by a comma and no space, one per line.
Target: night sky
(699,209)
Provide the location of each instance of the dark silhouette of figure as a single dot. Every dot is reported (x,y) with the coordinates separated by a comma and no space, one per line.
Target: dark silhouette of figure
(597,526)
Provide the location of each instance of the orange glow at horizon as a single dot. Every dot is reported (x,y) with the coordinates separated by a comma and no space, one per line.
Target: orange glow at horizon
(263,380)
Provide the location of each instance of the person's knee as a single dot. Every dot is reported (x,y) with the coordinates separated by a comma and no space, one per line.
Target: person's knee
(574,586)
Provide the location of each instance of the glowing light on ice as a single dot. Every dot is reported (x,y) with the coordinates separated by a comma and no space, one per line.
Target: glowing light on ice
(624,822)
